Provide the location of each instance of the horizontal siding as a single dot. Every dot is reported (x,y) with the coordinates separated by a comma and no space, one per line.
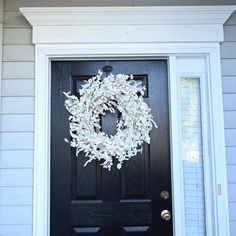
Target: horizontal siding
(228,50)
(17,125)
(15,105)
(15,215)
(232,211)
(230,119)
(228,55)
(231,174)
(20,70)
(15,4)
(24,36)
(16,159)
(16,177)
(233,227)
(16,230)
(19,141)
(17,87)
(12,196)
(232,193)
(231,156)
(18,122)
(230,33)
(230,137)
(231,21)
(228,67)
(18,53)
(229,102)
(15,19)
(229,84)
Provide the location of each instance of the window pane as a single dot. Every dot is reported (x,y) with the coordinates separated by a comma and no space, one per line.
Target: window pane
(192,157)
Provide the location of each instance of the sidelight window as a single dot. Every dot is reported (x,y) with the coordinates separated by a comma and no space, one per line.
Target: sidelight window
(192,156)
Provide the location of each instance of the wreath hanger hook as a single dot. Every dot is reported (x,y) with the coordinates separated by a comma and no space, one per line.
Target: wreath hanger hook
(107,69)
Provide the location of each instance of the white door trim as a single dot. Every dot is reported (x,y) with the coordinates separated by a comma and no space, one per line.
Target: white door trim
(71,45)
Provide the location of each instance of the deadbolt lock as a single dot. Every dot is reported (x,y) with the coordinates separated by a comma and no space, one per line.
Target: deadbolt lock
(165,215)
(165,195)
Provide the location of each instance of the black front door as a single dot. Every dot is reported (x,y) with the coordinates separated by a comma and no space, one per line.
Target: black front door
(94,201)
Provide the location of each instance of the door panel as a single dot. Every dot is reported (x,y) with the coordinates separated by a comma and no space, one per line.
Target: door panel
(136,230)
(95,231)
(94,201)
(135,179)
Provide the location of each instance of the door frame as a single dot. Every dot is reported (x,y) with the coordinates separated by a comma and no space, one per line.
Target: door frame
(52,45)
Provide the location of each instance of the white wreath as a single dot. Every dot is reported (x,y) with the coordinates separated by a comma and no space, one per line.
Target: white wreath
(98,96)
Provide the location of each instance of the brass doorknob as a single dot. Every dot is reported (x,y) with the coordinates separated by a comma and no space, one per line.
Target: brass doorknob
(165,215)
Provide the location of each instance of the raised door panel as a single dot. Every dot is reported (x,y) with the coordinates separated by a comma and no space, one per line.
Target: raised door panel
(137,231)
(86,231)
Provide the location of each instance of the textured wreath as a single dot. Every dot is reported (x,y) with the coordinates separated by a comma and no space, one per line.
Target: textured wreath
(97,96)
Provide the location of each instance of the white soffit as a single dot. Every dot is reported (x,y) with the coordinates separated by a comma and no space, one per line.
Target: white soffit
(128,24)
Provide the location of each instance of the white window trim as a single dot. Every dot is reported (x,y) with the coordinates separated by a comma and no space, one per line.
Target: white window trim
(172,32)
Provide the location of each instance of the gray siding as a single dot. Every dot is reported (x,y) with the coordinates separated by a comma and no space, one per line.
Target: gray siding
(16,157)
(12,5)
(228,59)
(16,134)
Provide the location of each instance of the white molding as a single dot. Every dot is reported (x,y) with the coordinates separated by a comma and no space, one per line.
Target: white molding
(207,147)
(176,160)
(127,34)
(155,15)
(45,53)
(156,24)
(217,129)
(78,45)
